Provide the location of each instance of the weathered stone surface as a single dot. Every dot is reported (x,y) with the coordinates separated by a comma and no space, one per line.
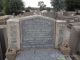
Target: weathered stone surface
(37,32)
(11,54)
(13,33)
(60,32)
(40,54)
(32,31)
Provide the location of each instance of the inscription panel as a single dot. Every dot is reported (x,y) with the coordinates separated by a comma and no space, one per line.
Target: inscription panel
(37,33)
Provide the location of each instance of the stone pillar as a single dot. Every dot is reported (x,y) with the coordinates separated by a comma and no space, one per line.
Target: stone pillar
(13,33)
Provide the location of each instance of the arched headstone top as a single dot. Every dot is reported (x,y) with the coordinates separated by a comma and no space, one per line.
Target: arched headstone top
(30,17)
(36,16)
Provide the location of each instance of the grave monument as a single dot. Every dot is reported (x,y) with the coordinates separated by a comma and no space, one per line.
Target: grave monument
(34,37)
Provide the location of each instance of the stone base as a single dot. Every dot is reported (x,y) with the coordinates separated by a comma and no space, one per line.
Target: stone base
(11,54)
(65,50)
(40,54)
(36,54)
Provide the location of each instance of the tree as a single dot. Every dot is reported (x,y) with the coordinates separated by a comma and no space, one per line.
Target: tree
(48,9)
(58,4)
(13,6)
(72,4)
(1,7)
(42,5)
(28,9)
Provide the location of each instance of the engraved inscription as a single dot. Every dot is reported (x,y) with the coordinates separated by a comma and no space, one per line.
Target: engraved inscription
(37,33)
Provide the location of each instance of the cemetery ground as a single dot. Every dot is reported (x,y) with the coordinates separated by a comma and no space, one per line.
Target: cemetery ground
(40,36)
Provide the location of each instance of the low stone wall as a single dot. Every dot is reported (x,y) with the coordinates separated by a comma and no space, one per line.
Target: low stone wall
(3,19)
(49,14)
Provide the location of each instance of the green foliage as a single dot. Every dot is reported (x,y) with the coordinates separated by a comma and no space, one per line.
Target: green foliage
(73,4)
(58,4)
(48,9)
(12,6)
(1,7)
(42,5)
(28,9)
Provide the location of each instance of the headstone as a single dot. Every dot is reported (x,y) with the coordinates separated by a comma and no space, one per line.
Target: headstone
(31,32)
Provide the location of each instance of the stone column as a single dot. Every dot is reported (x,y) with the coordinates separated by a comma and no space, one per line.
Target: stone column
(13,33)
